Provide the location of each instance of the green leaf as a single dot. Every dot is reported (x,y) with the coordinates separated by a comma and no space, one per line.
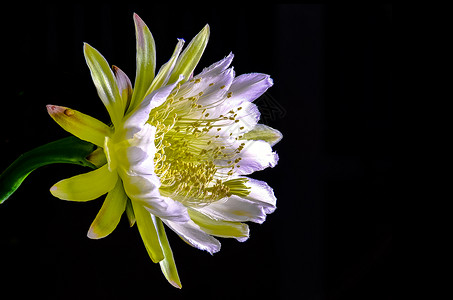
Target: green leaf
(70,150)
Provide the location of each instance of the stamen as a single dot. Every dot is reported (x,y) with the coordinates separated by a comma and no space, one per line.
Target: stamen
(193,164)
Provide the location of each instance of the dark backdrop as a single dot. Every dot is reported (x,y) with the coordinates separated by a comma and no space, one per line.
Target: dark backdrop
(330,237)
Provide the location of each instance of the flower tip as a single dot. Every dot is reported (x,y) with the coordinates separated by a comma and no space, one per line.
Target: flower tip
(207,29)
(175,284)
(269,80)
(93,235)
(87,47)
(136,17)
(54,109)
(138,21)
(54,190)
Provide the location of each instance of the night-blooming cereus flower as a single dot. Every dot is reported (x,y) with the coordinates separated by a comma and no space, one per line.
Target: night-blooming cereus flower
(177,150)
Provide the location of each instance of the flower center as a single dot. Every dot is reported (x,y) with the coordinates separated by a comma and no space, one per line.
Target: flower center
(189,143)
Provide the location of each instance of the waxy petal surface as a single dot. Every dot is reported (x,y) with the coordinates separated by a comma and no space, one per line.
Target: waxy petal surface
(264,133)
(110,213)
(167,265)
(190,57)
(148,232)
(195,236)
(81,125)
(220,228)
(85,187)
(105,83)
(124,87)
(145,61)
(166,70)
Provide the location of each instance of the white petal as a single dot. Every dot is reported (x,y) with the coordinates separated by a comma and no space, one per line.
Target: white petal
(141,151)
(254,156)
(215,88)
(262,194)
(216,68)
(235,209)
(209,81)
(248,87)
(193,235)
(144,189)
(167,209)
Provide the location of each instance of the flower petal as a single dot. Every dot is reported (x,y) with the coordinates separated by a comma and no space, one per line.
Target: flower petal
(220,228)
(262,194)
(235,209)
(192,234)
(144,189)
(216,68)
(214,89)
(253,207)
(248,87)
(190,57)
(130,212)
(110,213)
(86,186)
(165,71)
(136,119)
(148,232)
(97,157)
(145,61)
(105,83)
(167,265)
(124,86)
(82,126)
(166,208)
(255,156)
(264,133)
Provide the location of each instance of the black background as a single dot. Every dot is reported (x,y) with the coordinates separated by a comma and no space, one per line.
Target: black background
(330,237)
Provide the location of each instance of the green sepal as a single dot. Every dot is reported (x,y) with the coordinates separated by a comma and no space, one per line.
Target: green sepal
(70,150)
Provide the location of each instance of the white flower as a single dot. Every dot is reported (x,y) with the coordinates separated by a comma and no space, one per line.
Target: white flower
(177,150)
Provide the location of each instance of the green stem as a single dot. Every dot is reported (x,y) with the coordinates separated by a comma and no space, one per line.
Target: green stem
(70,150)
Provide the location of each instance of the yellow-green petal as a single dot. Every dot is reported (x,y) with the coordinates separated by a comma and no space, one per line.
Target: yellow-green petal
(97,158)
(148,232)
(263,133)
(130,213)
(165,71)
(85,187)
(145,61)
(167,265)
(219,228)
(190,57)
(105,83)
(81,125)
(110,213)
